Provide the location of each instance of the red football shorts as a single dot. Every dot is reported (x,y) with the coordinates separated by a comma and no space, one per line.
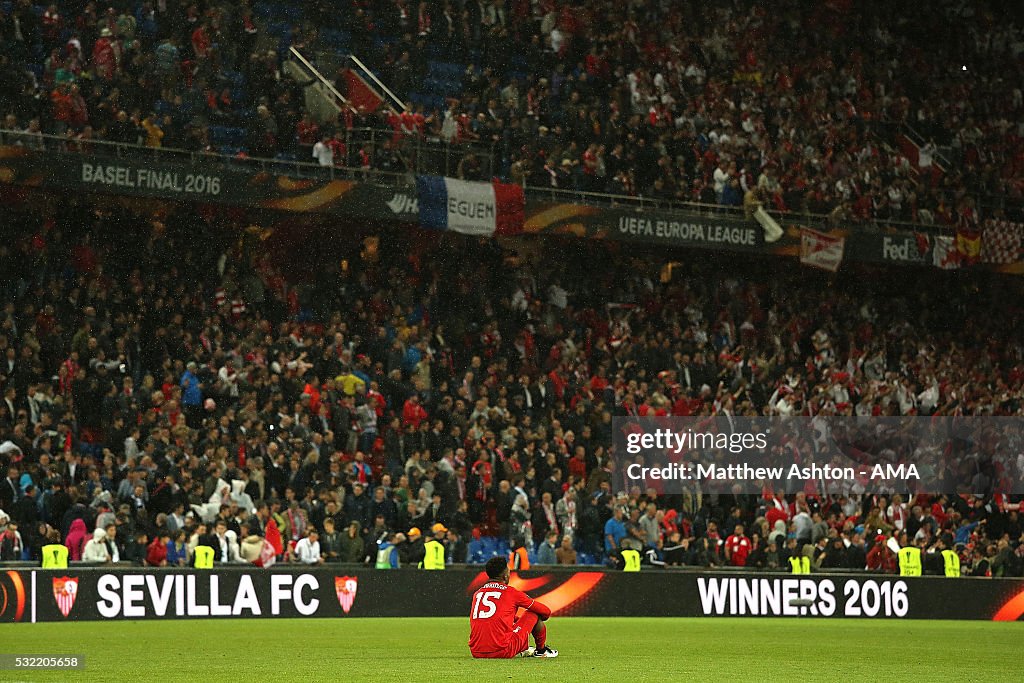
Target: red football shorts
(519,638)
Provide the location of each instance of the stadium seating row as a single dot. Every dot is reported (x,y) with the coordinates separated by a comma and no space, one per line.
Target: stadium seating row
(482,549)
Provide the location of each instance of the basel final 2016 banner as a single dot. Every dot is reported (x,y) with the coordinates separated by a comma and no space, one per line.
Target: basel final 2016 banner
(81,593)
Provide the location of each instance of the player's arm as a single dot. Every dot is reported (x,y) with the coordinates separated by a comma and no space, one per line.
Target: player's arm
(530,605)
(540,609)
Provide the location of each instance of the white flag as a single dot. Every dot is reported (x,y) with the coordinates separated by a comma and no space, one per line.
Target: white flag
(820,250)
(944,253)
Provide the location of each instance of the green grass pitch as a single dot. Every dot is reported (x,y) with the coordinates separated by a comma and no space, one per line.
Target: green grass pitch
(591,649)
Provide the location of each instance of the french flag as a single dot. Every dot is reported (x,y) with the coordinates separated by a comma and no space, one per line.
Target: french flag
(471,208)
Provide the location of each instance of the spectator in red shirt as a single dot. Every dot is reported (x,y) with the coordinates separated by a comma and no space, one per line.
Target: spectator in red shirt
(407,123)
(376,399)
(577,463)
(61,98)
(337,146)
(737,547)
(156,552)
(312,389)
(590,167)
(880,558)
(104,58)
(79,110)
(201,41)
(777,509)
(412,412)
(307,131)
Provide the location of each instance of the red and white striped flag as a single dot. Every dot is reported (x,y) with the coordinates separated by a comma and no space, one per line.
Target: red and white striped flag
(1001,241)
(944,253)
(267,555)
(820,250)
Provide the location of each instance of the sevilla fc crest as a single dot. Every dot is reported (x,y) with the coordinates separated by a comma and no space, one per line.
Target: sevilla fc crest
(65,590)
(345,587)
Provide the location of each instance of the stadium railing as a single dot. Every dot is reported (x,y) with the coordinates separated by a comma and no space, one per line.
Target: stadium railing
(422,157)
(684,569)
(283,165)
(325,92)
(640,203)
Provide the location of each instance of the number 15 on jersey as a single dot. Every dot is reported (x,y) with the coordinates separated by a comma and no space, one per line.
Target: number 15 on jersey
(486,602)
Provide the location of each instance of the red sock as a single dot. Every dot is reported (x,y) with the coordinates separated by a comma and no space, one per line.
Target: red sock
(542,637)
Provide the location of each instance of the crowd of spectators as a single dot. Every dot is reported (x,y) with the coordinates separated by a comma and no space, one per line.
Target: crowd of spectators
(168,380)
(796,107)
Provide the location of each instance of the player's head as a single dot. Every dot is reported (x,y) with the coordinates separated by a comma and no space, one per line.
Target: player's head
(497,569)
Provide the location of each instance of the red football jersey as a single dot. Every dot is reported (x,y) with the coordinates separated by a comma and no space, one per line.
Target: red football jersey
(491,620)
(739,547)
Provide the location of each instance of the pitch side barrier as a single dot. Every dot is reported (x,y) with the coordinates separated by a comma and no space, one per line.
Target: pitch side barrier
(340,591)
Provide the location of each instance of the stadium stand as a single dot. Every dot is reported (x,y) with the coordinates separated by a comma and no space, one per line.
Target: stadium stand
(161,372)
(724,104)
(474,379)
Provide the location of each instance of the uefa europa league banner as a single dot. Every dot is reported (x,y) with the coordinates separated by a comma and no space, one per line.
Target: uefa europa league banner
(652,226)
(96,594)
